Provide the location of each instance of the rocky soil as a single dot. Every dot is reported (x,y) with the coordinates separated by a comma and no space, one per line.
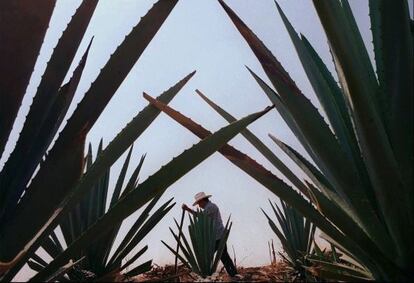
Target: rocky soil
(271,273)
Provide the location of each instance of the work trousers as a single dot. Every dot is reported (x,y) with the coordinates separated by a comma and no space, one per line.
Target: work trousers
(226,260)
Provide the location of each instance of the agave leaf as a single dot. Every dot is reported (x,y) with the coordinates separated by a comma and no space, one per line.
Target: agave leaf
(55,240)
(35,266)
(347,136)
(360,90)
(285,114)
(283,223)
(117,68)
(134,178)
(71,151)
(95,197)
(64,269)
(28,22)
(188,252)
(140,269)
(178,255)
(144,215)
(260,146)
(335,276)
(27,154)
(328,93)
(185,247)
(39,260)
(135,227)
(180,231)
(299,134)
(154,185)
(97,204)
(114,150)
(114,72)
(278,233)
(195,244)
(393,47)
(273,183)
(343,272)
(189,258)
(70,162)
(50,127)
(317,178)
(134,258)
(200,258)
(121,178)
(51,247)
(145,229)
(361,242)
(334,162)
(324,84)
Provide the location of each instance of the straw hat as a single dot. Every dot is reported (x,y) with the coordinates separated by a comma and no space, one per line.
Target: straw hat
(199,196)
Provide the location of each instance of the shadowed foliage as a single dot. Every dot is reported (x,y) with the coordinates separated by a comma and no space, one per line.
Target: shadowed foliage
(362,182)
(30,173)
(296,234)
(96,260)
(201,256)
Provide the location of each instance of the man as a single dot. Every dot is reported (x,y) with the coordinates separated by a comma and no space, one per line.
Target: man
(202,200)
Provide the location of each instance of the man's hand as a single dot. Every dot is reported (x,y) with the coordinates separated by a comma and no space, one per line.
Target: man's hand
(186,208)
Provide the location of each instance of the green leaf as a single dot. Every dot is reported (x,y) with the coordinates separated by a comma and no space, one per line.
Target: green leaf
(64,269)
(393,47)
(342,114)
(274,184)
(154,185)
(361,90)
(145,229)
(178,255)
(140,269)
(17,175)
(259,145)
(35,266)
(317,178)
(188,252)
(121,178)
(331,158)
(27,154)
(22,38)
(110,154)
(336,271)
(328,93)
(285,114)
(135,227)
(134,258)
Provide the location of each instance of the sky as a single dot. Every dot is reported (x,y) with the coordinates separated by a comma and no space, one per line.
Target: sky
(199,36)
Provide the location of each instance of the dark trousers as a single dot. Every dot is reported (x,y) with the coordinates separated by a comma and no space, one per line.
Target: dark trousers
(226,260)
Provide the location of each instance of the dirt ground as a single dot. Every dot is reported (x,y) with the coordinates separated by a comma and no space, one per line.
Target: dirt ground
(271,273)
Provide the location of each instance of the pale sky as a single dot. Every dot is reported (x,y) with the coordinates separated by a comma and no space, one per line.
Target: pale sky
(198,35)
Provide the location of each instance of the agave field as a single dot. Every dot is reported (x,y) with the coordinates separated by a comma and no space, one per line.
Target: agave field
(63,207)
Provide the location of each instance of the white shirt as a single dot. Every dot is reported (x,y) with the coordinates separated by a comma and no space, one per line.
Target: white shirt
(213,211)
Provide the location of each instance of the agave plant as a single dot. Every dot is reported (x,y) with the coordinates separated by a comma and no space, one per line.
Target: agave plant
(96,256)
(362,184)
(26,177)
(29,174)
(353,271)
(296,234)
(201,256)
(333,265)
(144,192)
